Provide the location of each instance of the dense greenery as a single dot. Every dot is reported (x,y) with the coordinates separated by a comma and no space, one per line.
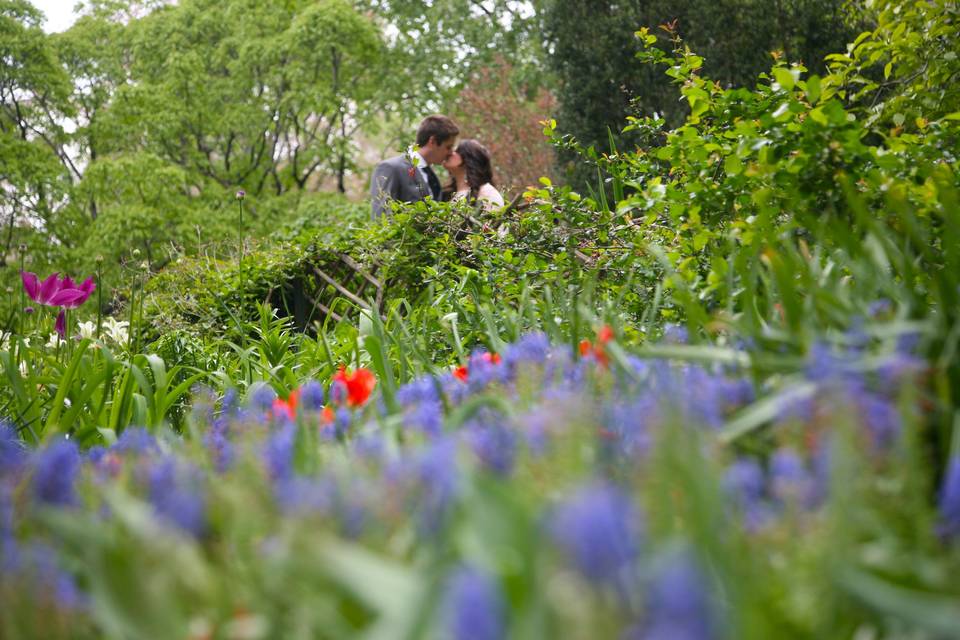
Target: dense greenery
(715,396)
(133,129)
(600,85)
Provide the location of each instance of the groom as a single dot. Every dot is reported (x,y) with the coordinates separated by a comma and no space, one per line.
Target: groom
(408,177)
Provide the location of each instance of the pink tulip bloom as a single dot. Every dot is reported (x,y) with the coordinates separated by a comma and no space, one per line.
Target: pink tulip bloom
(57,292)
(61,325)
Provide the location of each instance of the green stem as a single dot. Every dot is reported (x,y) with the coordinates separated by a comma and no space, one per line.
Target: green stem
(139,311)
(99,298)
(133,298)
(242,282)
(23,300)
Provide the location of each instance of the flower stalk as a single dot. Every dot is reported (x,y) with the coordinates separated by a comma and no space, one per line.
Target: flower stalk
(241,194)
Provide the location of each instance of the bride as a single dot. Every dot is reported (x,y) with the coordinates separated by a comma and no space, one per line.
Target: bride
(471,176)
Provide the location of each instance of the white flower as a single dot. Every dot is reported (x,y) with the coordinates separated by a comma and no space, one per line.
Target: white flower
(87,329)
(116,330)
(449,319)
(55,341)
(414,156)
(24,369)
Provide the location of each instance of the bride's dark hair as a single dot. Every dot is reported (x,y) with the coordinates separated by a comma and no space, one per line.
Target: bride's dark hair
(476,162)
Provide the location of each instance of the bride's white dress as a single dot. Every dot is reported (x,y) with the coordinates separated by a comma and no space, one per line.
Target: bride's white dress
(487,195)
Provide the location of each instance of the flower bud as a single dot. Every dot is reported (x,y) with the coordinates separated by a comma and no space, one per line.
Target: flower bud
(241,194)
(99,260)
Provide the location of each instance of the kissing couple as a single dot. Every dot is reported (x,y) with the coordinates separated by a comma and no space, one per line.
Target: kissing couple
(410,177)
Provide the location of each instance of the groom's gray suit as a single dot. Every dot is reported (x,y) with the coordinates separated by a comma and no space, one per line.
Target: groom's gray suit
(396,179)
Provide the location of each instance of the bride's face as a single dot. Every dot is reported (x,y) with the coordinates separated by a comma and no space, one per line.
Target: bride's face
(454,162)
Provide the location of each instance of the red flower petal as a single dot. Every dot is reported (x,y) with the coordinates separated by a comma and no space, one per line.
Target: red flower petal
(460,373)
(327,416)
(585,347)
(359,384)
(282,408)
(605,334)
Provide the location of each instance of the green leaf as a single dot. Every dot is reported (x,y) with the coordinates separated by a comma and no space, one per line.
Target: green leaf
(784,78)
(813,89)
(64,384)
(765,410)
(934,613)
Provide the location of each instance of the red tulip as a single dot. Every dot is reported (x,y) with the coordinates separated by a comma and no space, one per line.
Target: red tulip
(604,335)
(359,384)
(287,407)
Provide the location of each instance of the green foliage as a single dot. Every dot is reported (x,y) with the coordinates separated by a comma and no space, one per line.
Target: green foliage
(601,84)
(33,91)
(209,295)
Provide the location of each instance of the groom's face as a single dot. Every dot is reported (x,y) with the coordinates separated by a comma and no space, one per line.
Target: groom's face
(436,153)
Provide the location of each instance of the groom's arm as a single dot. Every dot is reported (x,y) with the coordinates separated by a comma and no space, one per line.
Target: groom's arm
(384,186)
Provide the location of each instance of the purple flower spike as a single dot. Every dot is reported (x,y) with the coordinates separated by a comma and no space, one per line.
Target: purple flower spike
(12,451)
(261,397)
(178,498)
(54,473)
(311,395)
(495,446)
(436,472)
(599,528)
(474,606)
(678,603)
(426,417)
(135,440)
(338,392)
(950,500)
(278,453)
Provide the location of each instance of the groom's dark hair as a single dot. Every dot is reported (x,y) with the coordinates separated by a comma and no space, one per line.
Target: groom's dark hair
(439,127)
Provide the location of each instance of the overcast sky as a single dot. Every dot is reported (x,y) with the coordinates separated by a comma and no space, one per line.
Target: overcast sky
(59,13)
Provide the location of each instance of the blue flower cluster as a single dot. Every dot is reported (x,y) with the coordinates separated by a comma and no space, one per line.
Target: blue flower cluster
(580,433)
